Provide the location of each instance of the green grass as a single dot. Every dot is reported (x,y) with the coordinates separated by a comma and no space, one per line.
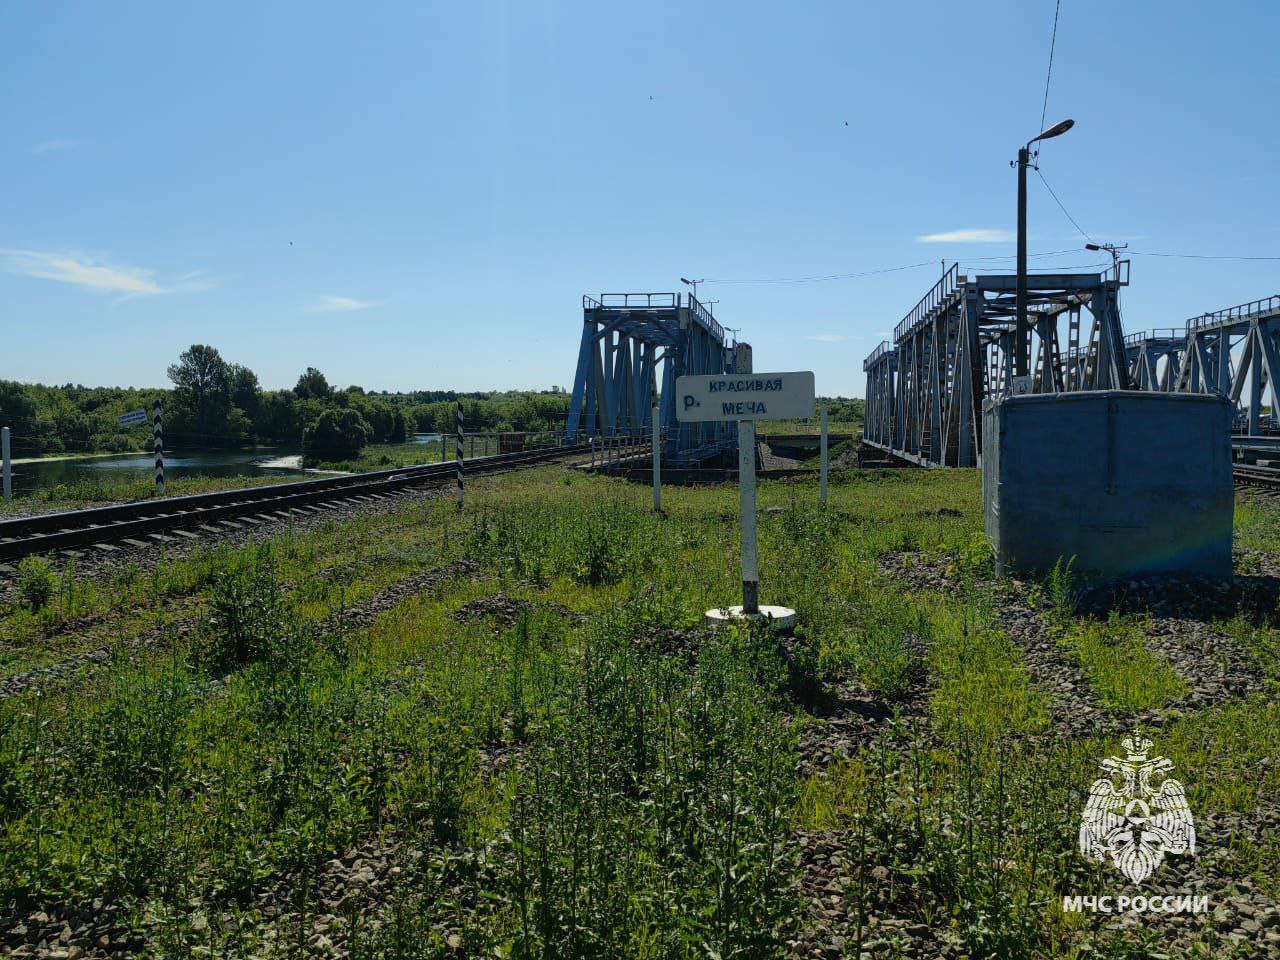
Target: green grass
(1125,674)
(598,776)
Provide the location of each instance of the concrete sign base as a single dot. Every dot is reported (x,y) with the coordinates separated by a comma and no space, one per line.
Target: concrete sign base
(780,618)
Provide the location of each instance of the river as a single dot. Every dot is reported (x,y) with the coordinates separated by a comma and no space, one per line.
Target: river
(30,476)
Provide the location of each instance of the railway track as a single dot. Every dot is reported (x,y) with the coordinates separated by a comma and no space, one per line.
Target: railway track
(132,522)
(1247,475)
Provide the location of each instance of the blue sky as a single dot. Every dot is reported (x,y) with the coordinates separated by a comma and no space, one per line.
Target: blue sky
(416,195)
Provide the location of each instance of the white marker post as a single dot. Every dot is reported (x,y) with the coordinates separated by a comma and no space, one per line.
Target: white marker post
(8,466)
(657,461)
(745,398)
(822,470)
(747,518)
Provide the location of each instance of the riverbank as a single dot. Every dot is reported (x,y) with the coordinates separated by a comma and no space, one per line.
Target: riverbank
(77,456)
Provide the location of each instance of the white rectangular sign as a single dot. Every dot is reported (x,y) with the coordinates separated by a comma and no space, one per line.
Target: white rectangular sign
(133,418)
(745,396)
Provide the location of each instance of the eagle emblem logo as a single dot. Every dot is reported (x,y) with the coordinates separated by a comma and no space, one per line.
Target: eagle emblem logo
(1136,814)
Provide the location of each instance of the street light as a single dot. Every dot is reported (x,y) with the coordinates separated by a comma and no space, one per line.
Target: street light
(1021,335)
(694,284)
(1111,248)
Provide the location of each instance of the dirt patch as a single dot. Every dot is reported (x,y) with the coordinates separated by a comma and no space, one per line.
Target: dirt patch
(845,715)
(831,880)
(504,610)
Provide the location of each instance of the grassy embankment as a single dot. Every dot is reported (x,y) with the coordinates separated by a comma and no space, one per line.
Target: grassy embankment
(598,776)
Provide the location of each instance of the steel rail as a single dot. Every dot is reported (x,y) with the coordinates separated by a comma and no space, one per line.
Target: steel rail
(1252,476)
(70,529)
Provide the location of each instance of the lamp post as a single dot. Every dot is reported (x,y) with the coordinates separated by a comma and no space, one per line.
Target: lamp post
(1111,248)
(1021,335)
(692,283)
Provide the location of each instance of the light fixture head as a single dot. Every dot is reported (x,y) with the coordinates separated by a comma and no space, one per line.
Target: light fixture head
(1057,130)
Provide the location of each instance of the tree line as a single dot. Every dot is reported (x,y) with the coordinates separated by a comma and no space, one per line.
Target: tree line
(217,404)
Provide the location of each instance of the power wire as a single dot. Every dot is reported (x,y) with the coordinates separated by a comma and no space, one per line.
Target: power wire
(1193,256)
(1044,110)
(1060,206)
(869,273)
(834,276)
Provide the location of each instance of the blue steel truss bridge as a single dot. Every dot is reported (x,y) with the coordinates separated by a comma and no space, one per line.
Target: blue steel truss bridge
(1233,352)
(960,345)
(634,346)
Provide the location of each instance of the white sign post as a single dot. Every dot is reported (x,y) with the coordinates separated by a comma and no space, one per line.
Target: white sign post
(747,518)
(133,418)
(822,470)
(657,460)
(745,398)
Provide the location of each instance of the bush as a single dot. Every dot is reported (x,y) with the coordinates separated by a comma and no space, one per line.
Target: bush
(335,435)
(36,582)
(249,620)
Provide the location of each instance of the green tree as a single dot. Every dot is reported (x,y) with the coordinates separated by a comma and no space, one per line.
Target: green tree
(278,417)
(401,426)
(18,412)
(245,391)
(380,416)
(202,388)
(312,385)
(335,435)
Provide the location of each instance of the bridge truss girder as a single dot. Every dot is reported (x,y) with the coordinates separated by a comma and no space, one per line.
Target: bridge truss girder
(633,347)
(1234,353)
(957,347)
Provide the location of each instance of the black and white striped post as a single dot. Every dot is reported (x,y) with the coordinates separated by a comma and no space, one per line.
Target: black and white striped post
(458,454)
(158,426)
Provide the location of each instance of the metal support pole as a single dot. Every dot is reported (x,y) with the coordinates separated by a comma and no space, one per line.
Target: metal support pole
(822,471)
(747,515)
(1255,388)
(657,462)
(7,464)
(158,426)
(1022,339)
(458,454)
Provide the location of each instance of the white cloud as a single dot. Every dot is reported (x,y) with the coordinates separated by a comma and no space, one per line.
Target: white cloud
(52,146)
(194,281)
(968,236)
(334,304)
(829,337)
(81,271)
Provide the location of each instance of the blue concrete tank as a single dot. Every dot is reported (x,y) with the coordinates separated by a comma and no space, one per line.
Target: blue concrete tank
(1124,481)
